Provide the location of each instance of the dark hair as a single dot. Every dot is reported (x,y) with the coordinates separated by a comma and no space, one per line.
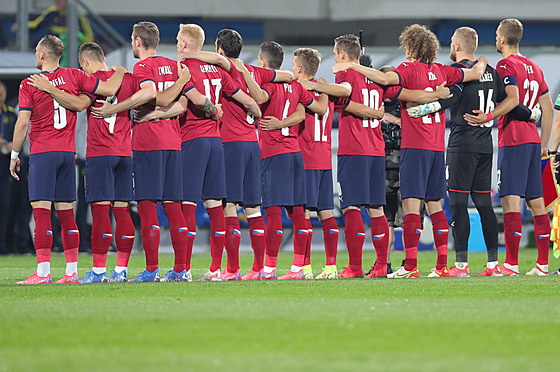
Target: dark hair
(92,51)
(273,53)
(148,32)
(421,43)
(512,30)
(365,60)
(230,41)
(309,60)
(350,44)
(53,45)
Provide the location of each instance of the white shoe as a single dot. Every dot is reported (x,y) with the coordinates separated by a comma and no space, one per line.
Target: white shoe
(189,276)
(211,276)
(538,271)
(401,273)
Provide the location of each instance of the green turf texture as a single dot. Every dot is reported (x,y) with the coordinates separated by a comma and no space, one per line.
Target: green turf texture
(448,324)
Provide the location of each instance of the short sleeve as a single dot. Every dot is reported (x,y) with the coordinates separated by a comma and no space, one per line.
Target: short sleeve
(305,96)
(229,87)
(340,103)
(143,72)
(507,72)
(25,96)
(342,76)
(263,75)
(544,85)
(85,82)
(392,92)
(453,75)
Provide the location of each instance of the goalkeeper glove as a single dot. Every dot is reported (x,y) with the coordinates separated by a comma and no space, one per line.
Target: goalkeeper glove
(424,109)
(536,113)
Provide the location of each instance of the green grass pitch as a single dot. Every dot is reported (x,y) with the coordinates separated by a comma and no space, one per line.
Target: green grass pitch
(451,324)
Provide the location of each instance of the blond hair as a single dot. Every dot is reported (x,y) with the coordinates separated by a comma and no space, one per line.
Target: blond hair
(512,30)
(193,33)
(468,38)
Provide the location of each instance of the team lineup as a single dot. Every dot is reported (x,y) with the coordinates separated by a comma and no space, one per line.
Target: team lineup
(183,131)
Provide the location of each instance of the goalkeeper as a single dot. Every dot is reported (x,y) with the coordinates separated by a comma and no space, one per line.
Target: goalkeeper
(469,151)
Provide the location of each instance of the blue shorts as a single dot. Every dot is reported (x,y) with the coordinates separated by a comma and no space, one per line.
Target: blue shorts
(108,178)
(319,188)
(519,170)
(204,175)
(157,175)
(52,176)
(283,180)
(422,174)
(361,180)
(243,172)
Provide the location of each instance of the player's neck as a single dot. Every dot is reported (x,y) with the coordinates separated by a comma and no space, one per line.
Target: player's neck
(462,56)
(146,53)
(509,51)
(49,66)
(305,77)
(101,67)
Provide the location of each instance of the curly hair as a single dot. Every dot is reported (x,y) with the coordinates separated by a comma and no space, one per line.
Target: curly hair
(420,43)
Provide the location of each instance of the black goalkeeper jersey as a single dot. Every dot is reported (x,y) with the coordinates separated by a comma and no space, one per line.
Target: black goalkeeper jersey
(482,94)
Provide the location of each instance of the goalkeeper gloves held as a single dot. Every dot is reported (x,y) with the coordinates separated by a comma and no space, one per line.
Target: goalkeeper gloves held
(424,109)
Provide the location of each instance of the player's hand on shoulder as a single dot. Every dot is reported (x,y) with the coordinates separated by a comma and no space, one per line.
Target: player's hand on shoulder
(309,85)
(322,80)
(183,72)
(482,59)
(239,65)
(40,82)
(341,66)
(475,119)
(119,68)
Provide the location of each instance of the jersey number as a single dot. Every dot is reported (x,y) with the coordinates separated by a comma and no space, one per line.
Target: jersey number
(113,118)
(371,100)
(217,83)
(428,118)
(486,105)
(533,87)
(59,117)
(320,135)
(286,131)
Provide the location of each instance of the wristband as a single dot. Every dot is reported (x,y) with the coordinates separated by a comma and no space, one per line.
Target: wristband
(15,154)
(489,116)
(550,152)
(215,112)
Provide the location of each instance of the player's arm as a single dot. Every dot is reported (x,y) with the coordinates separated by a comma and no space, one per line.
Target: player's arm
(20,132)
(546,123)
(344,89)
(168,95)
(208,57)
(423,96)
(416,111)
(67,100)
(392,119)
(475,72)
(176,108)
(259,95)
(364,111)
(509,103)
(283,76)
(248,103)
(378,77)
(110,87)
(273,123)
(145,94)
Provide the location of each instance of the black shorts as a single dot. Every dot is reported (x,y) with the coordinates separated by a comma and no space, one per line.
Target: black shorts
(469,172)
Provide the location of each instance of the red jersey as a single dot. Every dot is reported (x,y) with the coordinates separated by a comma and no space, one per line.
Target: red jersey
(283,102)
(236,124)
(111,136)
(358,136)
(53,127)
(315,138)
(428,132)
(212,81)
(156,134)
(529,79)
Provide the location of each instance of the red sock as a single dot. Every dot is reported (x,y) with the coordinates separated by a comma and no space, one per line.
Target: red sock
(70,234)
(147,210)
(273,234)
(233,238)
(179,231)
(512,232)
(354,233)
(307,258)
(411,237)
(43,234)
(217,236)
(257,231)
(124,235)
(189,212)
(440,227)
(542,236)
(297,216)
(101,233)
(330,238)
(380,237)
